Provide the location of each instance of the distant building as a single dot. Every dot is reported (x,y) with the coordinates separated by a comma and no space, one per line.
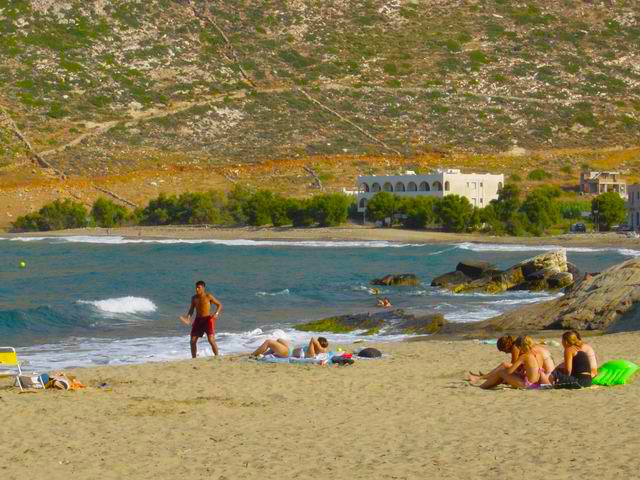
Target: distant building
(478,188)
(601,182)
(633,206)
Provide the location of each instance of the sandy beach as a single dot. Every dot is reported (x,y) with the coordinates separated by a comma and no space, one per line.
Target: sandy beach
(350,232)
(407,416)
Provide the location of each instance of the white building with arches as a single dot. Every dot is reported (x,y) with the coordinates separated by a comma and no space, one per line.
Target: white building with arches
(479,188)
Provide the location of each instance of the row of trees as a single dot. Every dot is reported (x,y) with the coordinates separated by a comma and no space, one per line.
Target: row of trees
(239,207)
(509,214)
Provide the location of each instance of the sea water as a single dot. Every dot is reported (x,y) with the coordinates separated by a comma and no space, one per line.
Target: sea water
(85,300)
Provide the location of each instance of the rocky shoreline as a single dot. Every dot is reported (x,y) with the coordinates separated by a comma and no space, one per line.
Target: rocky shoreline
(606,302)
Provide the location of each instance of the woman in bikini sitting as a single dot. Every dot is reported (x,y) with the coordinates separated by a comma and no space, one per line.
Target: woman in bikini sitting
(507,344)
(529,360)
(580,364)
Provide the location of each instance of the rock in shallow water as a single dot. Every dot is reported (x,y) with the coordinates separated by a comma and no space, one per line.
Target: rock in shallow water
(391,322)
(532,274)
(400,279)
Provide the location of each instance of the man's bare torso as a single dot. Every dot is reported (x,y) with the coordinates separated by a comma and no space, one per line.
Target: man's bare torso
(202,304)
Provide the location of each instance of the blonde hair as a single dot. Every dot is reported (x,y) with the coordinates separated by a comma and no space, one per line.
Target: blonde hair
(525,343)
(572,338)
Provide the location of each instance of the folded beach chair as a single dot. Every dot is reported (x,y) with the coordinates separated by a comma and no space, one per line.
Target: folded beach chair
(10,367)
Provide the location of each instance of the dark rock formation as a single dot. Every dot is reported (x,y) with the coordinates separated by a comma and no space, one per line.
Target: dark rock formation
(390,322)
(400,279)
(475,269)
(546,271)
(608,302)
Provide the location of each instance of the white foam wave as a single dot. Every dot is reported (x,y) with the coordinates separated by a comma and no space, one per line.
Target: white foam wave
(494,247)
(119,240)
(273,294)
(87,352)
(122,305)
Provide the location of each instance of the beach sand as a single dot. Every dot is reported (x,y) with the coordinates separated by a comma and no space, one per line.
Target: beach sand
(403,417)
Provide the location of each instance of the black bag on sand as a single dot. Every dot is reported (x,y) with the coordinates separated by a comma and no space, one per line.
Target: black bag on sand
(370,352)
(567,382)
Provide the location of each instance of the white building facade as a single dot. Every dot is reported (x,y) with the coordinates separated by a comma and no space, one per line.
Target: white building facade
(633,206)
(478,188)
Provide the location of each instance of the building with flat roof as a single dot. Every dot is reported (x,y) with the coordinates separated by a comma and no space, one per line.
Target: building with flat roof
(633,206)
(478,188)
(600,182)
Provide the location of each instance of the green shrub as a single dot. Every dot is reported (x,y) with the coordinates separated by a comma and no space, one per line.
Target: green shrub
(454,213)
(538,175)
(610,210)
(300,213)
(108,214)
(514,177)
(541,211)
(419,211)
(573,209)
(383,205)
(57,215)
(329,210)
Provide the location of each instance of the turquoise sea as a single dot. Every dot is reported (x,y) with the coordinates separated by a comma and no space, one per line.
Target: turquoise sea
(85,301)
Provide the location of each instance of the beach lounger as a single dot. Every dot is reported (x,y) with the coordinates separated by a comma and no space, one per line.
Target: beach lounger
(10,367)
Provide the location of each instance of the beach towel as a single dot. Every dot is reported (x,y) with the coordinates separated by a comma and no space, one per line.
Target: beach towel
(320,359)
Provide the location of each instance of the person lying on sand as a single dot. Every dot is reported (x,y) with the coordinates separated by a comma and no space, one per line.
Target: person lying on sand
(278,348)
(580,364)
(321,345)
(506,344)
(531,363)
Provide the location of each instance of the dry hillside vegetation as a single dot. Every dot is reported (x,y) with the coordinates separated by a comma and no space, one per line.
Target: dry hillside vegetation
(109,90)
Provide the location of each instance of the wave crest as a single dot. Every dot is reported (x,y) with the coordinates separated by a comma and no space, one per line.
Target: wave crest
(122,305)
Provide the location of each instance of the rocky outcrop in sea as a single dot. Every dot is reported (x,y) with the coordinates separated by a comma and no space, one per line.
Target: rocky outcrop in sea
(608,302)
(548,271)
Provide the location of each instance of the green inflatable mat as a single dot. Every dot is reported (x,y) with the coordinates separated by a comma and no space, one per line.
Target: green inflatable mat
(615,372)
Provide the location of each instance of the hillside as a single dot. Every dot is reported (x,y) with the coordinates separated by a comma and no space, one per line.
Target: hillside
(199,93)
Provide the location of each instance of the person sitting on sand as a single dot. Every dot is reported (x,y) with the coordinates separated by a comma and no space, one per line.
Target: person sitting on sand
(506,344)
(321,345)
(278,348)
(580,364)
(531,362)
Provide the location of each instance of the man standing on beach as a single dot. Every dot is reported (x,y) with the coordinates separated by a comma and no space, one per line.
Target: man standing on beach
(205,322)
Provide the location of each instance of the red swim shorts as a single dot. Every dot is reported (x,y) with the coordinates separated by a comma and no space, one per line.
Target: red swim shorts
(202,325)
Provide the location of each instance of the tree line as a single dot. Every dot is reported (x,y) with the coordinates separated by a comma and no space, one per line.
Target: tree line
(511,214)
(241,206)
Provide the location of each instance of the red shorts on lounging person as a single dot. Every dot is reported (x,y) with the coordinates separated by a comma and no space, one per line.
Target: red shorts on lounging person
(202,325)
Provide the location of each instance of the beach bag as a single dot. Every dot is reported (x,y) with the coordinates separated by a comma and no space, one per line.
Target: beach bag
(370,352)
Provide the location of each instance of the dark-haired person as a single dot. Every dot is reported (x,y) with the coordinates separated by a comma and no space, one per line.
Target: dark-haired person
(321,345)
(505,344)
(205,322)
